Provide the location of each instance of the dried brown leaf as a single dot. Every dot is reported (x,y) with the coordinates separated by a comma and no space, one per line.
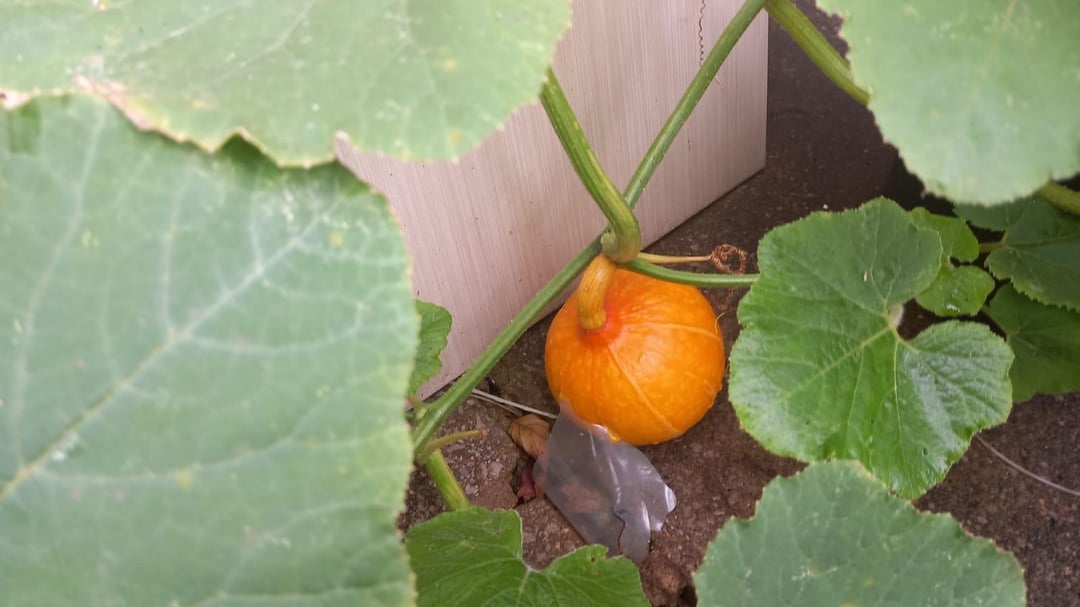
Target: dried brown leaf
(530,432)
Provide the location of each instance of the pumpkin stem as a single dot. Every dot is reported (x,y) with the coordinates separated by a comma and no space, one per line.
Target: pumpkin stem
(592,291)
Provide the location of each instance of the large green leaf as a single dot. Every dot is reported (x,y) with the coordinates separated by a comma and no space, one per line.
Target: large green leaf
(1046,341)
(473,557)
(416,79)
(434,326)
(832,535)
(1039,252)
(979,96)
(201,371)
(820,371)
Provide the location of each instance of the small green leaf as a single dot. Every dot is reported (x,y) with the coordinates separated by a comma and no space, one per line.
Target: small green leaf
(957,240)
(979,96)
(434,327)
(473,557)
(1040,253)
(1046,341)
(415,79)
(832,535)
(202,362)
(820,371)
(957,291)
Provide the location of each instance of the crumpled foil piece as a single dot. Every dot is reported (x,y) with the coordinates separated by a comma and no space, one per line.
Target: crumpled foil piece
(609,491)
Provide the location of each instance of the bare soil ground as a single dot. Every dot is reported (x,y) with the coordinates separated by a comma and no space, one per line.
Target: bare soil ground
(823,153)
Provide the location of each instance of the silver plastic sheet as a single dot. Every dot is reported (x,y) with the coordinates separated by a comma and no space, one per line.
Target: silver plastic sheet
(609,491)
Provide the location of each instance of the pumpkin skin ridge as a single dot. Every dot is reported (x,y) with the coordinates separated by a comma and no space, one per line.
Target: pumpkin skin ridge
(675,325)
(666,325)
(570,368)
(707,378)
(645,400)
(627,286)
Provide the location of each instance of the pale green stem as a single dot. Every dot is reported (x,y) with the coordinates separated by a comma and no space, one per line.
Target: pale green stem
(664,259)
(690,98)
(1061,197)
(627,242)
(445,481)
(810,40)
(442,441)
(698,279)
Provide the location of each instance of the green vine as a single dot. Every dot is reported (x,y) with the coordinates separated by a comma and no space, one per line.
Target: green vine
(697,279)
(671,259)
(445,481)
(1061,197)
(694,92)
(816,47)
(626,243)
(442,441)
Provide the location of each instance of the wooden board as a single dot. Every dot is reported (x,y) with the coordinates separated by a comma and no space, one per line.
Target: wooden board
(486,232)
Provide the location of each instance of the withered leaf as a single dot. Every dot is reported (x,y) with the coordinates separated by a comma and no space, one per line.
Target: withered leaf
(530,432)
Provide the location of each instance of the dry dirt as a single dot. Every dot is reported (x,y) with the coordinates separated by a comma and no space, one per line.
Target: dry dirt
(823,153)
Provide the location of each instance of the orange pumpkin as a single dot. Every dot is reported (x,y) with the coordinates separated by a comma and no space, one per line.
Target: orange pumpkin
(642,357)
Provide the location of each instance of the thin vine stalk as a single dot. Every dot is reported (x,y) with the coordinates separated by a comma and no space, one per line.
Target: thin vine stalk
(443,406)
(443,441)
(697,279)
(626,243)
(445,481)
(816,47)
(672,259)
(1061,197)
(689,100)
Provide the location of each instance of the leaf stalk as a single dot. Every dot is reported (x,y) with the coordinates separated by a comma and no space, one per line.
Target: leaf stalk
(442,441)
(671,259)
(694,92)
(626,243)
(1061,197)
(697,279)
(816,47)
(445,481)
